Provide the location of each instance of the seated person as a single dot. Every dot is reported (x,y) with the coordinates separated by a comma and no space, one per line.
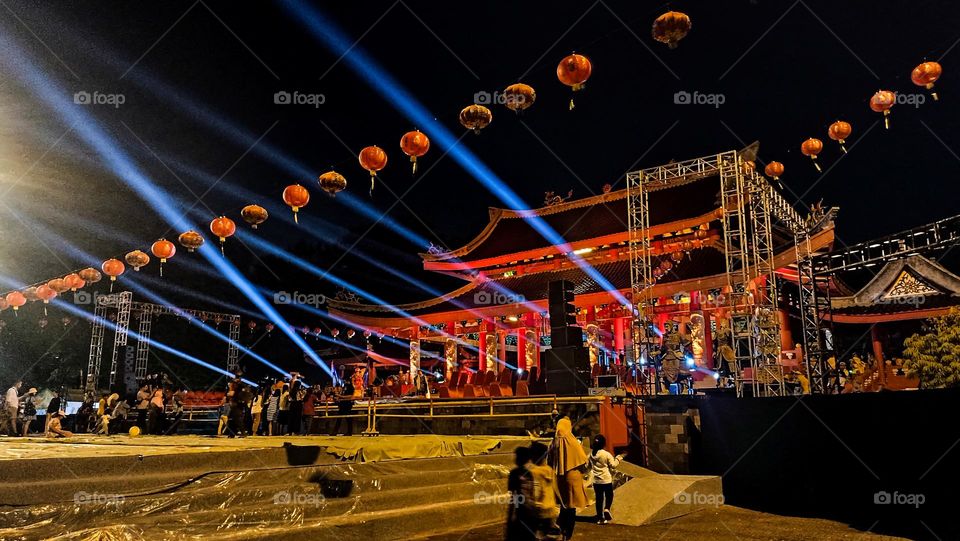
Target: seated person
(55,429)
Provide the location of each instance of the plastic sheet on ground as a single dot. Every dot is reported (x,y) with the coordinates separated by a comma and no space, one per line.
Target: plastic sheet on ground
(344,501)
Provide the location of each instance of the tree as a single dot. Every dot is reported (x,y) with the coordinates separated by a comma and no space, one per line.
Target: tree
(934,355)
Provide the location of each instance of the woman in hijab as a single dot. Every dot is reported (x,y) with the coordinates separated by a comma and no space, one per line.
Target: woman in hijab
(568,460)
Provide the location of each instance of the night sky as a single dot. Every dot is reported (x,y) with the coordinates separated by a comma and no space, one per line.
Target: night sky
(198,83)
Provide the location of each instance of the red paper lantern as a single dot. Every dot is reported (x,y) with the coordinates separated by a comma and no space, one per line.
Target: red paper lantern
(73,281)
(519,96)
(671,27)
(191,240)
(926,74)
(373,159)
(113,268)
(839,131)
(90,275)
(475,117)
(163,250)
(573,71)
(16,299)
(774,170)
(811,147)
(414,144)
(254,215)
(332,183)
(58,285)
(296,197)
(223,227)
(881,102)
(46,293)
(137,259)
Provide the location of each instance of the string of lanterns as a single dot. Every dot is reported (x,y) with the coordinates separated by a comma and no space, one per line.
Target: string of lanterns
(924,75)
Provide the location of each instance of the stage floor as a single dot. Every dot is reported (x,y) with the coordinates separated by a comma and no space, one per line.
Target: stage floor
(359,448)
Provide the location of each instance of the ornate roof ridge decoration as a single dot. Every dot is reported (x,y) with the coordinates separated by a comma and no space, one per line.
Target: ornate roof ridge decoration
(407,307)
(925,277)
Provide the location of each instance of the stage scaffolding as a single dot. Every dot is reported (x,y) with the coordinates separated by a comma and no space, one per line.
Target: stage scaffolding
(750,206)
(125,306)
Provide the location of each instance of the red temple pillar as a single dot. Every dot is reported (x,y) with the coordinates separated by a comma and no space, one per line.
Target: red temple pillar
(482,348)
(877,338)
(452,356)
(707,340)
(618,338)
(786,335)
(522,348)
(502,350)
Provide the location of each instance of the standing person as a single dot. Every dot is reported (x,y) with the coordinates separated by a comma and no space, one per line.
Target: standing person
(520,527)
(344,409)
(12,404)
(28,410)
(283,414)
(601,462)
(55,405)
(273,410)
(143,405)
(540,494)
(309,409)
(295,415)
(568,459)
(155,416)
(256,411)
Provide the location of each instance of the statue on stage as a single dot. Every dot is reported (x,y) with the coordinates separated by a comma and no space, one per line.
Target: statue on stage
(672,357)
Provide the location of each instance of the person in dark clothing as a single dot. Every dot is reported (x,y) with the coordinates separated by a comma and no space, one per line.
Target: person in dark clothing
(520,526)
(344,407)
(55,405)
(295,412)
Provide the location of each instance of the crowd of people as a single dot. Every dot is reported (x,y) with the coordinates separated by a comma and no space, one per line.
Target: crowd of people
(548,485)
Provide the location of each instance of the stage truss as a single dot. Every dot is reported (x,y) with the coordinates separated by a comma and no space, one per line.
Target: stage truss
(815,270)
(750,208)
(125,306)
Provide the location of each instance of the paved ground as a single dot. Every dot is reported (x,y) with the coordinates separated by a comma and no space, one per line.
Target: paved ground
(723,523)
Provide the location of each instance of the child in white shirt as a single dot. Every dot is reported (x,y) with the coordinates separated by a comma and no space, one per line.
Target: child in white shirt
(601,462)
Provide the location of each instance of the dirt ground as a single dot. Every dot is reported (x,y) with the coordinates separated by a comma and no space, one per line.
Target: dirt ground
(722,523)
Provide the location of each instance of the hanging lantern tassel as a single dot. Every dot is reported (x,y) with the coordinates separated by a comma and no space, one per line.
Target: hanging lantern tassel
(373,178)
(843,142)
(162,261)
(222,240)
(413,160)
(295,220)
(815,164)
(112,280)
(886,119)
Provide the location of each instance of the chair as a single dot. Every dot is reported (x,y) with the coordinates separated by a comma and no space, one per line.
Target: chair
(444,391)
(523,389)
(489,378)
(469,391)
(505,382)
(495,390)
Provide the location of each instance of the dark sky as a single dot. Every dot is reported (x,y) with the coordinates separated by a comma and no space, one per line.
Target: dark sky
(199,78)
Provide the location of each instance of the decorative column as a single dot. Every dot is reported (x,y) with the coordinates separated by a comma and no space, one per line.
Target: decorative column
(414,351)
(707,340)
(593,335)
(482,348)
(876,336)
(490,353)
(535,321)
(618,338)
(501,350)
(786,335)
(450,350)
(522,348)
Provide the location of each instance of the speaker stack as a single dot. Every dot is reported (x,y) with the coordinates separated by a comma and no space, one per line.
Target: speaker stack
(567,362)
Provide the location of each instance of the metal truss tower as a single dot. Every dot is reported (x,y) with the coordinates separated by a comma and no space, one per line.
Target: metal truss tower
(124,302)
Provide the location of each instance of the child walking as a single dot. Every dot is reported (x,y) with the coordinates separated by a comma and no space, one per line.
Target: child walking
(601,463)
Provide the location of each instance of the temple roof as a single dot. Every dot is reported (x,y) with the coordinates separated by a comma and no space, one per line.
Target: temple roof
(510,231)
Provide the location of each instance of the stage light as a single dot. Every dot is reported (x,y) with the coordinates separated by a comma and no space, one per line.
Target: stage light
(716,375)
(582,251)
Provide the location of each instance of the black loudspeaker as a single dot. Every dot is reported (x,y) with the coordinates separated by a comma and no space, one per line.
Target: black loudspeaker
(561,337)
(567,370)
(560,304)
